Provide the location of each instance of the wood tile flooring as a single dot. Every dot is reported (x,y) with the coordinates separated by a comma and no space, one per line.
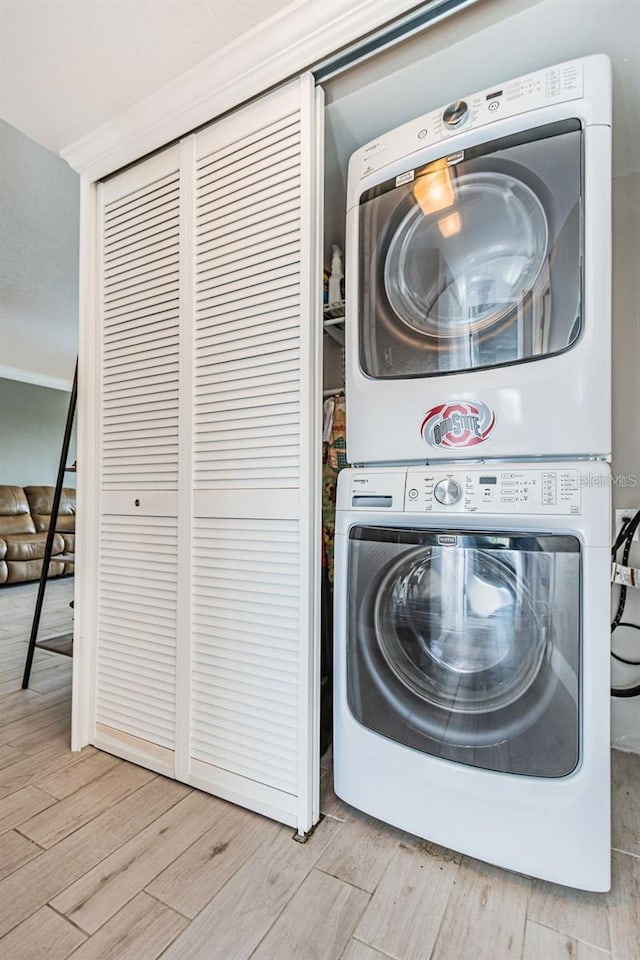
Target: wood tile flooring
(102,860)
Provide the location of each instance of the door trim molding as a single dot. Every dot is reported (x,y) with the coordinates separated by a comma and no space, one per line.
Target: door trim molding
(87,479)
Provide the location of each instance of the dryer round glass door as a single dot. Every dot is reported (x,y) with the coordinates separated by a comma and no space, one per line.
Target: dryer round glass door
(473,260)
(494,244)
(467,646)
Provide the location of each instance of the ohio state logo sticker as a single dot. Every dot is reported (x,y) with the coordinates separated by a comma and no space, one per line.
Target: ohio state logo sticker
(458,423)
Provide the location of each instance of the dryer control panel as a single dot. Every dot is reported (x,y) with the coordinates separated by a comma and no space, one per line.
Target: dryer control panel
(558,84)
(493,491)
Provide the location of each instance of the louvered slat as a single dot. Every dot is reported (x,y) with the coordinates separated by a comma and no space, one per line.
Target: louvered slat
(140,360)
(245,648)
(250,606)
(236,187)
(137,616)
(138,592)
(245,146)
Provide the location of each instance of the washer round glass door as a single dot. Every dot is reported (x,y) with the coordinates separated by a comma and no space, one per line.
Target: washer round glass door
(466,645)
(459,628)
(493,238)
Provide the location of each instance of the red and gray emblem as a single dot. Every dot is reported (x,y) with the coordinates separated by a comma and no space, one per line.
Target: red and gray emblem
(458,423)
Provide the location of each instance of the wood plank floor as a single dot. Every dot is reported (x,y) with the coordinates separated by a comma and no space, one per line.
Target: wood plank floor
(102,860)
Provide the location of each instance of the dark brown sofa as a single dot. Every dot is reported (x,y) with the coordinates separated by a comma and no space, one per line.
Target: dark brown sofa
(24,522)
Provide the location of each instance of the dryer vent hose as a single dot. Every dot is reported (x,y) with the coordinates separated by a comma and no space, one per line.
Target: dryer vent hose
(623,540)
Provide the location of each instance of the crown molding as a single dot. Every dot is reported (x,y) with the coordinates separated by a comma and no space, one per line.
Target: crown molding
(30,376)
(301,35)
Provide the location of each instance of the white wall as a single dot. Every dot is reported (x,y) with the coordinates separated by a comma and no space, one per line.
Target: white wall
(39,210)
(32,422)
(484,45)
(626,428)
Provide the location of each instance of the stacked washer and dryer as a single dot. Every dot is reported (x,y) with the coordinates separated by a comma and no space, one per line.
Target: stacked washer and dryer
(473,534)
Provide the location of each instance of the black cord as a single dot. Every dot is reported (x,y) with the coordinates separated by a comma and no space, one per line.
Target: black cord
(625,536)
(633,691)
(616,656)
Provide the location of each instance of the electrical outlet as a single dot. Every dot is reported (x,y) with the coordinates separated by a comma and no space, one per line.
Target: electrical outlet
(622,515)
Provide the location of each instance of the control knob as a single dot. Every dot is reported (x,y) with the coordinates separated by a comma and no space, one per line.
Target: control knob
(447,492)
(455,113)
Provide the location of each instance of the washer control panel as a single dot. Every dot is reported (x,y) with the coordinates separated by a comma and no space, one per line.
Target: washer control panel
(493,491)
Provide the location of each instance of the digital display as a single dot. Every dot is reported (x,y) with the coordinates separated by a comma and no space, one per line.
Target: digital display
(496,93)
(493,480)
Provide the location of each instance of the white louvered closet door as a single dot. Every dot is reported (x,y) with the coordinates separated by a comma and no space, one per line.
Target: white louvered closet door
(256,445)
(137,604)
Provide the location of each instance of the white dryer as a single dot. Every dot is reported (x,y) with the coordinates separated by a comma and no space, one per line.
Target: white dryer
(478,276)
(472,660)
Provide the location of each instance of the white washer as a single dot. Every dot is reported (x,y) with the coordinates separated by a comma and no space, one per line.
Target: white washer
(478,276)
(472,660)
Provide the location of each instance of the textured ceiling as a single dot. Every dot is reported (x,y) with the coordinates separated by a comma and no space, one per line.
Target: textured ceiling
(68,66)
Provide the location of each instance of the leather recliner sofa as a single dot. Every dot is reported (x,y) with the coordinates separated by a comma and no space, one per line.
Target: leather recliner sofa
(24,521)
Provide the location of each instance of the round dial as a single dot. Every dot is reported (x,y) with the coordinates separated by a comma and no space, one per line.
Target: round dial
(455,113)
(447,492)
